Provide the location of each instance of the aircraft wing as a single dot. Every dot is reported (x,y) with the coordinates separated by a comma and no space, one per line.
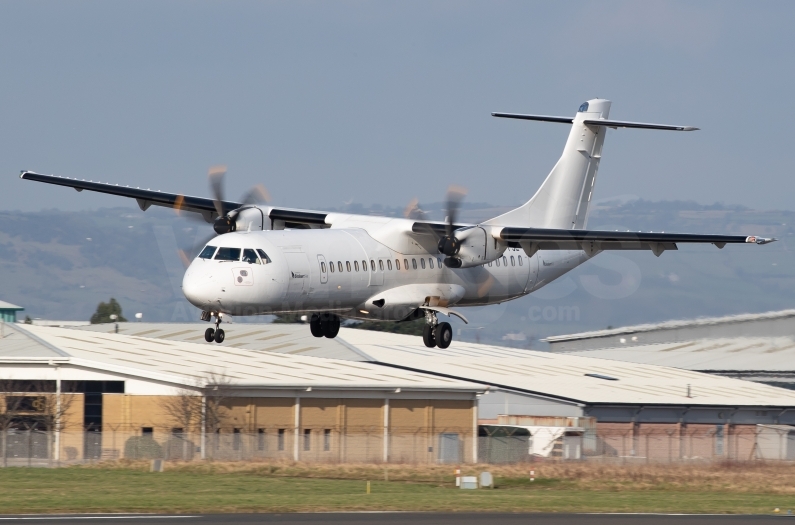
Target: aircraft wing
(148,197)
(594,240)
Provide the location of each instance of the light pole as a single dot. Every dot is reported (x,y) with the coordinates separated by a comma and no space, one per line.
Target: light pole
(113,318)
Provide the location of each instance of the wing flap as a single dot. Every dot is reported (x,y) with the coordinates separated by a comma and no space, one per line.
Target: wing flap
(556,236)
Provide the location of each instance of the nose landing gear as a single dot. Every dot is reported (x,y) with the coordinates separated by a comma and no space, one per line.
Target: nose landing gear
(324,325)
(213,334)
(435,333)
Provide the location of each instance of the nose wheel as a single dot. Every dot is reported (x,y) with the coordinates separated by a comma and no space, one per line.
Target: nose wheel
(213,334)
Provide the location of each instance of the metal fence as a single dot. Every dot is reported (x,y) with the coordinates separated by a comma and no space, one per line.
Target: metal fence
(38,448)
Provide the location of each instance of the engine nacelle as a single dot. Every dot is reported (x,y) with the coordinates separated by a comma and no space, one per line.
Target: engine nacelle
(242,219)
(477,247)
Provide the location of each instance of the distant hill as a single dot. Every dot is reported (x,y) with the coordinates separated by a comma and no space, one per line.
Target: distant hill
(60,265)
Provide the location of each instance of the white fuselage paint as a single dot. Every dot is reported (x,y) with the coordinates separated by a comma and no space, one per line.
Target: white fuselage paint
(294,280)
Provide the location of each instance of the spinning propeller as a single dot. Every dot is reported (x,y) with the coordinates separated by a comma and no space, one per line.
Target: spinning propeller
(225,221)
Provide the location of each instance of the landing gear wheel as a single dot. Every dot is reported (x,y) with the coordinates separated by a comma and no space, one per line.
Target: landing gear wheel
(219,335)
(443,335)
(209,335)
(428,337)
(331,326)
(315,326)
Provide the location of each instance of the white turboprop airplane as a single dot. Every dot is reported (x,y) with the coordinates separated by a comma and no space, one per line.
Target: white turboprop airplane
(268,259)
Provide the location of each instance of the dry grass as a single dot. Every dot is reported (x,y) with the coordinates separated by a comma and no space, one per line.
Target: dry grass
(736,477)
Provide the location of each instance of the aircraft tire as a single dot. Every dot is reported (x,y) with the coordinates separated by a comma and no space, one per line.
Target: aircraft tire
(428,336)
(209,335)
(443,335)
(331,327)
(219,335)
(315,326)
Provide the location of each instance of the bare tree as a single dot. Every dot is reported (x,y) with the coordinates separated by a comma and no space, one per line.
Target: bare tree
(217,389)
(184,412)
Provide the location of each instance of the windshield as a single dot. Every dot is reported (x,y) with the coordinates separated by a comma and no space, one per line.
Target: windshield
(228,254)
(207,252)
(250,256)
(265,258)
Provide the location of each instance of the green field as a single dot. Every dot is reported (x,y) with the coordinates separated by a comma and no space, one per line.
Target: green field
(211,490)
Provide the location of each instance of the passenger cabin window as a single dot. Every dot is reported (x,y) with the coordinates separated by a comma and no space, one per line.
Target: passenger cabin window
(323,267)
(430,261)
(520,259)
(414,263)
(397,264)
(372,265)
(505,260)
(422,263)
(263,256)
(498,263)
(250,256)
(406,263)
(227,254)
(513,262)
(207,252)
(389,264)
(356,265)
(438,260)
(331,266)
(348,265)
(381,265)
(339,266)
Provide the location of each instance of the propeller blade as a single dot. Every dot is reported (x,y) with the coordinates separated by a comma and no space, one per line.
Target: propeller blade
(413,210)
(256,195)
(216,175)
(455,195)
(186,256)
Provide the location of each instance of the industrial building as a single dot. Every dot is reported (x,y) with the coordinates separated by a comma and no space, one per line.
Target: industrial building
(374,396)
(8,312)
(755,347)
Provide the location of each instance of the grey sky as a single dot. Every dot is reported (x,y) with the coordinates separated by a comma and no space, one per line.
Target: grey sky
(325,102)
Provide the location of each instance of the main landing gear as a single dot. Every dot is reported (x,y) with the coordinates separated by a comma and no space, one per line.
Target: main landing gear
(324,325)
(435,333)
(213,334)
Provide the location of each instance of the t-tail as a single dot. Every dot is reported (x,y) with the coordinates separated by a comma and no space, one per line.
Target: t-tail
(563,200)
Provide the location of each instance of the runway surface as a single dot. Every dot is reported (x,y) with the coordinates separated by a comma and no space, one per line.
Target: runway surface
(394,518)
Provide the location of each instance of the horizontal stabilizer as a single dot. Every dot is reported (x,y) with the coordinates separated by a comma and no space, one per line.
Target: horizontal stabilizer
(596,122)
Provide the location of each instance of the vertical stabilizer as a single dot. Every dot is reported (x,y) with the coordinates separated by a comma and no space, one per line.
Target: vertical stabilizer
(563,199)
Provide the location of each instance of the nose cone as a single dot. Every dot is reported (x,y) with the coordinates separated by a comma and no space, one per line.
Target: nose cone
(199,286)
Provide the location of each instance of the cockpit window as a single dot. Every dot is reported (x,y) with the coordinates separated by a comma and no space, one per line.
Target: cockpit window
(228,254)
(207,252)
(265,258)
(583,107)
(250,256)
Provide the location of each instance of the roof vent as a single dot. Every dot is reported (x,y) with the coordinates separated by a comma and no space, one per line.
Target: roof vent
(601,376)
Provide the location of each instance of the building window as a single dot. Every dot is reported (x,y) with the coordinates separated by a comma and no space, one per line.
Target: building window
(147,431)
(389,264)
(356,265)
(177,432)
(307,439)
(280,439)
(236,439)
(348,265)
(327,439)
(260,439)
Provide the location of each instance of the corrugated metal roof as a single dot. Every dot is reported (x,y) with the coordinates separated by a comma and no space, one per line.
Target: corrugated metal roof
(276,337)
(8,306)
(672,325)
(566,376)
(188,363)
(721,354)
